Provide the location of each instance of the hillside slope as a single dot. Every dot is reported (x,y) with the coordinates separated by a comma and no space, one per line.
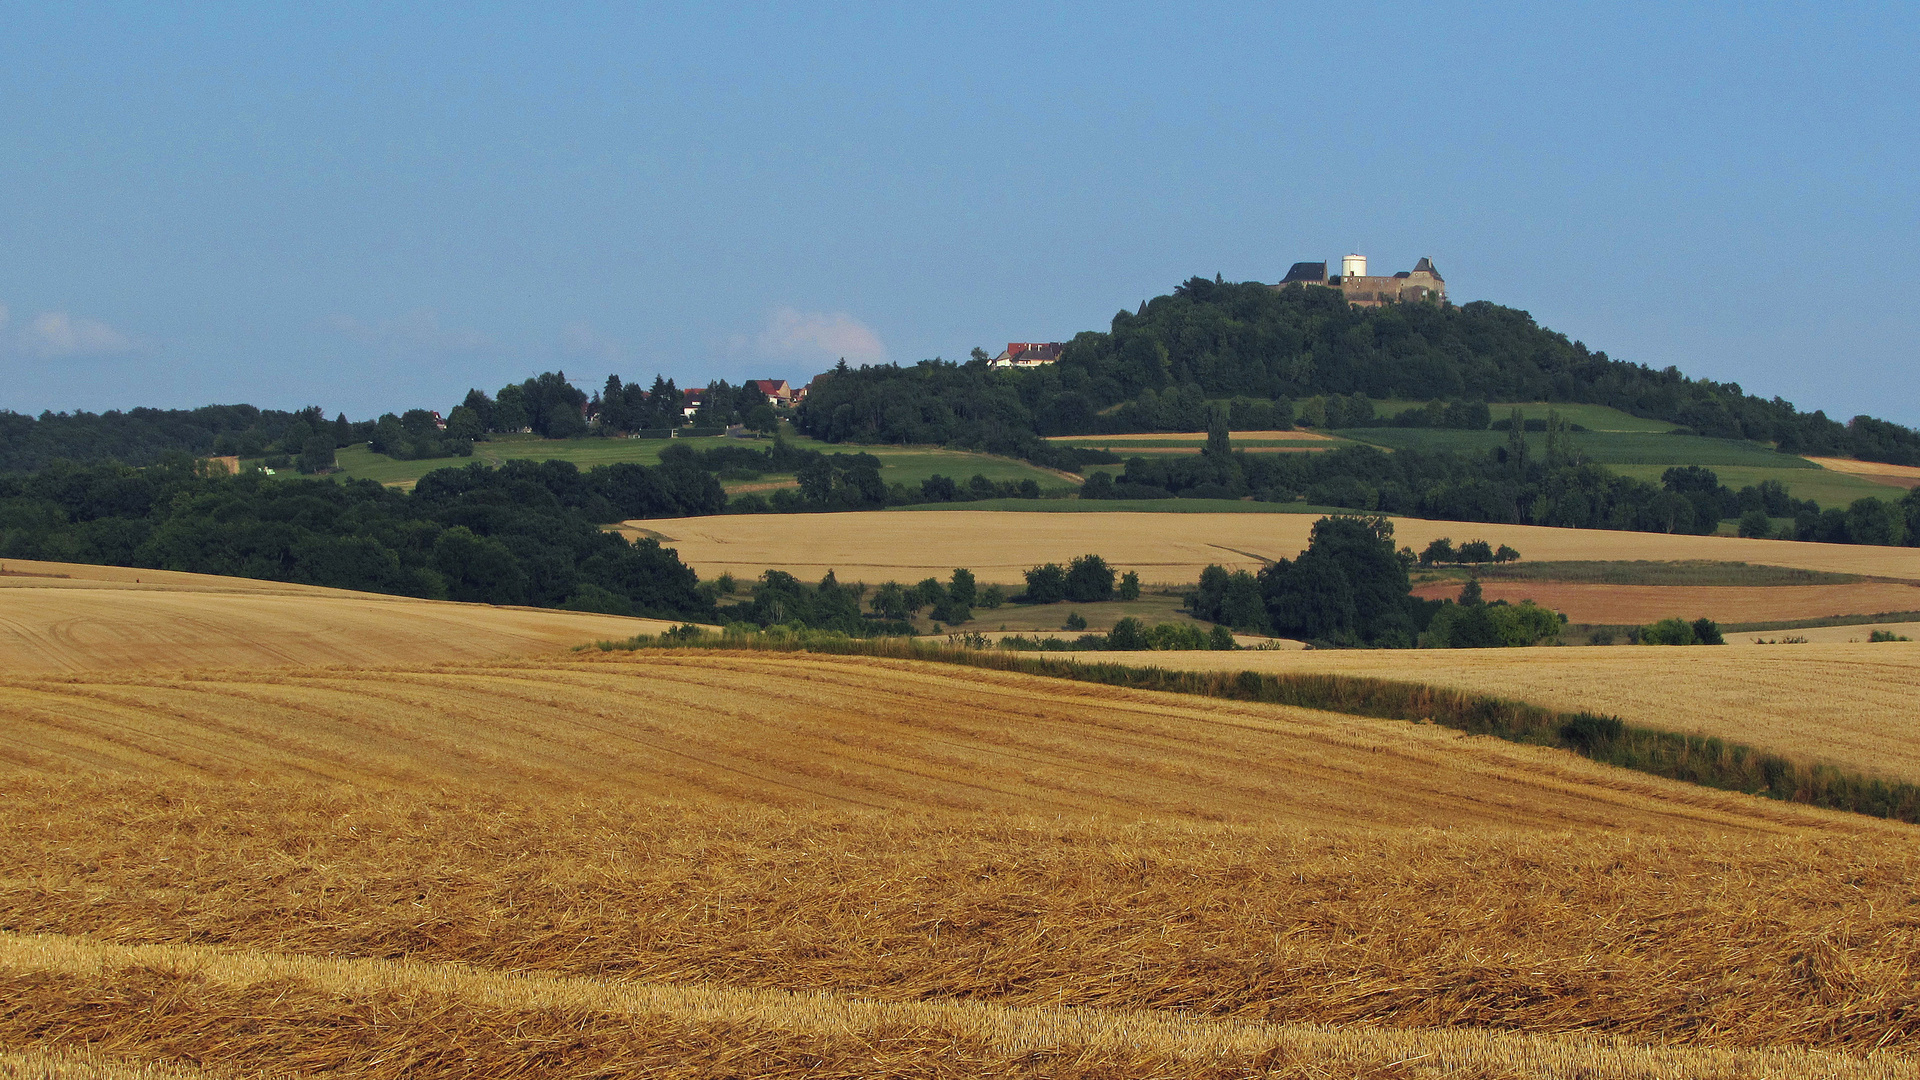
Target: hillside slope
(58,617)
(797,730)
(1849,704)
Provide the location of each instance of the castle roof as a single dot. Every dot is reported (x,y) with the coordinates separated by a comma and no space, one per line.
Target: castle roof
(1426,264)
(1315,272)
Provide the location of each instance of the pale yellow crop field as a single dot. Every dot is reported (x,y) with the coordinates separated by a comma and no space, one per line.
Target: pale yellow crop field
(1168,548)
(1852,704)
(69,617)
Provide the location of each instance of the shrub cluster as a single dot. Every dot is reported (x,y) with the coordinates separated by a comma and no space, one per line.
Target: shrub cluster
(1678,632)
(1087,579)
(1442,552)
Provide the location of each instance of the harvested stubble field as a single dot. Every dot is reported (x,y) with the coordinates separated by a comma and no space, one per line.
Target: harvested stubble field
(998,546)
(70,617)
(1849,704)
(703,864)
(1623,604)
(1904,476)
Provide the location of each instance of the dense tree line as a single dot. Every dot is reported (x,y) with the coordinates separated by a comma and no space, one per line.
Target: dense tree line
(526,533)
(146,436)
(1153,368)
(1515,484)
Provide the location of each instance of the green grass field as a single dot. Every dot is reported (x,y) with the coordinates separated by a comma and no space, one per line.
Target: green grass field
(1187,443)
(1137,506)
(1824,486)
(1592,417)
(898,464)
(1611,448)
(1050,619)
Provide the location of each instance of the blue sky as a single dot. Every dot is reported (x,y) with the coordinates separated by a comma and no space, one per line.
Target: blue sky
(374,208)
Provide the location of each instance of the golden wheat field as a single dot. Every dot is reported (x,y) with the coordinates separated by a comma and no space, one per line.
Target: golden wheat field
(702,864)
(1851,704)
(68,617)
(998,546)
(1622,604)
(1906,476)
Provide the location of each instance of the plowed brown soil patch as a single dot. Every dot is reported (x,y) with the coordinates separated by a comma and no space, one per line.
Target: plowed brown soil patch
(67,617)
(1852,704)
(1625,604)
(999,546)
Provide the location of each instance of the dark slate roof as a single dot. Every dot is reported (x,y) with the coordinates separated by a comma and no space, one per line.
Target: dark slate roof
(1427,265)
(1315,272)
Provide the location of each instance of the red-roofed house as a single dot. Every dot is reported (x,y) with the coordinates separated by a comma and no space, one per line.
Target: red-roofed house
(1028,354)
(777,391)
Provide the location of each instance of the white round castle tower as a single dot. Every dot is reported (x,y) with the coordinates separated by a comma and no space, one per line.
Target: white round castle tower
(1353,266)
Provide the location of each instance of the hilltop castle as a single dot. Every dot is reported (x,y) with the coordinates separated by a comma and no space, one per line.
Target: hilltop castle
(1423,282)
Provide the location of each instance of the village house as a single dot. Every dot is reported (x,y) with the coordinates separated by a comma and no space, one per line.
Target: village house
(1028,354)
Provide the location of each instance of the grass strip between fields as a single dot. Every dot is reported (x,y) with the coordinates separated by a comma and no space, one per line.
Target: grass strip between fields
(1705,760)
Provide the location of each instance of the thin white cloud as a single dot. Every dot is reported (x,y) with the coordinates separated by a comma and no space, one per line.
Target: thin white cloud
(579,340)
(416,331)
(815,335)
(53,334)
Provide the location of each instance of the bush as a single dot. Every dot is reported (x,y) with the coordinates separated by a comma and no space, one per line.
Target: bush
(1089,580)
(1707,632)
(1046,584)
(1668,632)
(990,597)
(1076,622)
(1476,551)
(1526,623)
(1221,639)
(1886,635)
(1129,586)
(1756,524)
(1127,634)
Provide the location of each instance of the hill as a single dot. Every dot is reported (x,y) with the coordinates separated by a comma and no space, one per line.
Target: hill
(1156,369)
(66,617)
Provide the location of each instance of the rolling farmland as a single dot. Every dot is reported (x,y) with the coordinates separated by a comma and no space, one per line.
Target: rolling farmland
(710,864)
(70,617)
(1850,704)
(1166,548)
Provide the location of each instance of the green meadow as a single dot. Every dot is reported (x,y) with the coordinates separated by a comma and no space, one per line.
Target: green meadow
(898,464)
